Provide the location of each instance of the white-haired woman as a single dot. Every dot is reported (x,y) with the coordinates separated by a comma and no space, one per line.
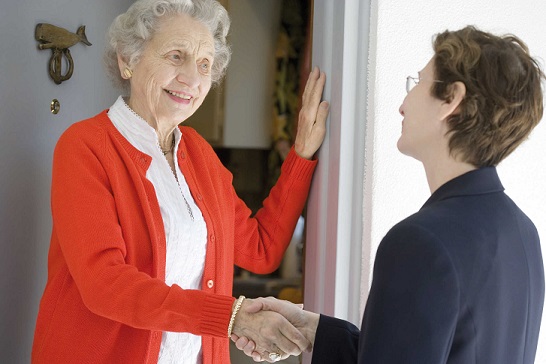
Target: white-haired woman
(146,223)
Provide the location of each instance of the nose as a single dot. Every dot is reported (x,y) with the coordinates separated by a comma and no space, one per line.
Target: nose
(400,110)
(188,74)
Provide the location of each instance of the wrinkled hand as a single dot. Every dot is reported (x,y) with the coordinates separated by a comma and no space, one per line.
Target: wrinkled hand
(269,331)
(312,117)
(304,321)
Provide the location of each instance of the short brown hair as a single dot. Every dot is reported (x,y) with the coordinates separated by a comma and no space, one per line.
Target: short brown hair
(503,100)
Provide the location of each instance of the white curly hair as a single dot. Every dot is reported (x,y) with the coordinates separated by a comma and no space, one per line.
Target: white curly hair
(131,30)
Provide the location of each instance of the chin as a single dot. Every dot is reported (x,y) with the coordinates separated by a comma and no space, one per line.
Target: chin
(404,149)
(400,146)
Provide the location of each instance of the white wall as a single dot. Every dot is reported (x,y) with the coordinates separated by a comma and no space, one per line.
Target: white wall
(28,132)
(400,45)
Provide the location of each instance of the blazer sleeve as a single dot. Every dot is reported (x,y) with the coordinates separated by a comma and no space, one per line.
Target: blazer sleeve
(412,308)
(336,341)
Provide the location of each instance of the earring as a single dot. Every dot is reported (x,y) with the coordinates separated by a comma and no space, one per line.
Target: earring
(127,73)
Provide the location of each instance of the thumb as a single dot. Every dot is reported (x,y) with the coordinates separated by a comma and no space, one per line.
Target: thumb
(253,305)
(280,306)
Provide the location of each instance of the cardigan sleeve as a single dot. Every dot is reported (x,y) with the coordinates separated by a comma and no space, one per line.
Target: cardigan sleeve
(86,226)
(260,241)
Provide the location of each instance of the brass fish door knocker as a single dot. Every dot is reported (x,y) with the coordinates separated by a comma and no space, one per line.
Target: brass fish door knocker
(59,40)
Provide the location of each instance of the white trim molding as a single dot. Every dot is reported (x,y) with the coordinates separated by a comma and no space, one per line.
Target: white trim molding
(334,258)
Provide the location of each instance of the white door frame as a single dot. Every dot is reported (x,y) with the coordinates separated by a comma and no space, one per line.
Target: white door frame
(334,272)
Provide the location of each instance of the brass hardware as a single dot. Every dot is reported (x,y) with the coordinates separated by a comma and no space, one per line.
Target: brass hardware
(55,106)
(59,40)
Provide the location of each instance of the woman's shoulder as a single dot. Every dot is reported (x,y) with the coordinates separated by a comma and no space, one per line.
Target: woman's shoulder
(413,243)
(411,226)
(194,141)
(94,123)
(88,131)
(191,135)
(416,229)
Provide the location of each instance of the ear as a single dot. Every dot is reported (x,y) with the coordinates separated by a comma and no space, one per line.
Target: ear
(122,65)
(457,94)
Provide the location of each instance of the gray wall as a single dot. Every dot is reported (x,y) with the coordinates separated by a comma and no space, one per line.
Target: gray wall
(28,132)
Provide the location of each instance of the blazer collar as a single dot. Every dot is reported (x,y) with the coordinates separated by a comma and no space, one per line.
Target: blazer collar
(477,182)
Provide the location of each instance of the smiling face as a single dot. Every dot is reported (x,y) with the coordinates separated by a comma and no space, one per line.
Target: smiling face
(173,75)
(423,127)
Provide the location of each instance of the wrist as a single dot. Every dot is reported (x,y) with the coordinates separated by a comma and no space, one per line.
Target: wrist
(236,306)
(310,329)
(302,153)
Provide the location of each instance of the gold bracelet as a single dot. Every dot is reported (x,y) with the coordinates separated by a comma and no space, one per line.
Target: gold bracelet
(235,310)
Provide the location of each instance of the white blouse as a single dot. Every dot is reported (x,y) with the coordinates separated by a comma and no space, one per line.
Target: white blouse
(185,228)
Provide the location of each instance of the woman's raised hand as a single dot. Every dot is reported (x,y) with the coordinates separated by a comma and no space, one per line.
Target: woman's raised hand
(312,118)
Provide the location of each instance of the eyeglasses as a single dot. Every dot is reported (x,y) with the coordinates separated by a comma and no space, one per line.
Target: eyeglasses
(411,82)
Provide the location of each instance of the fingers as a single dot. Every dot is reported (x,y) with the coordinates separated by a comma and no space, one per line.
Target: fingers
(312,117)
(322,114)
(285,308)
(269,357)
(250,350)
(313,88)
(241,342)
(279,336)
(257,357)
(270,331)
(304,321)
(247,346)
(295,340)
(265,333)
(283,345)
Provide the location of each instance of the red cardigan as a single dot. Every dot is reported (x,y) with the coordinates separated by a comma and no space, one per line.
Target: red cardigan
(106,300)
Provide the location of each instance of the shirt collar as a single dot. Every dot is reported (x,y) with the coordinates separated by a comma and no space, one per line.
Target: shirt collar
(135,129)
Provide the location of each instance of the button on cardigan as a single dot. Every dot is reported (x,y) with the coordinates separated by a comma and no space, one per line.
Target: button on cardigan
(106,300)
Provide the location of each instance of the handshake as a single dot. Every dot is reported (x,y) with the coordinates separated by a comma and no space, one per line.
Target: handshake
(268,329)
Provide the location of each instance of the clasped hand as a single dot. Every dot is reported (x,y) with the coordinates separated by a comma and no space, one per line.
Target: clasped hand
(268,329)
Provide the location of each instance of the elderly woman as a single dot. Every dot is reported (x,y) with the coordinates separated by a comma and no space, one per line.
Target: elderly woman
(146,223)
(461,281)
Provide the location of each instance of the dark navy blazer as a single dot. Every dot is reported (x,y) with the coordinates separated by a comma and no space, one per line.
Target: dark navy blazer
(459,282)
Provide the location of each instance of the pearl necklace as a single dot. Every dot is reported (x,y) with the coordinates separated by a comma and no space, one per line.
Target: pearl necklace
(188,207)
(165,152)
